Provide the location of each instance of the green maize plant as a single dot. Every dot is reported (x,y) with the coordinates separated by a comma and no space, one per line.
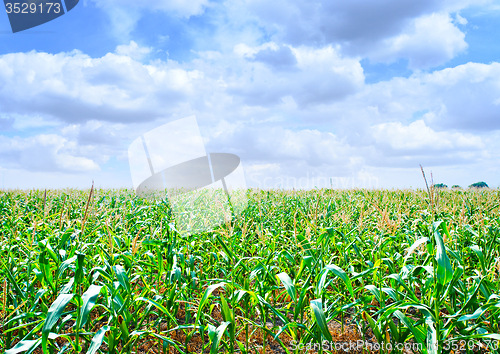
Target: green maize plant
(105,271)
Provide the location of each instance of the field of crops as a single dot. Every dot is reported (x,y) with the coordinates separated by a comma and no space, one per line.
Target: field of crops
(107,272)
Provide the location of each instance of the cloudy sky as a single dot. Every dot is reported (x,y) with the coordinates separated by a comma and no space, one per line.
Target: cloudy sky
(357,91)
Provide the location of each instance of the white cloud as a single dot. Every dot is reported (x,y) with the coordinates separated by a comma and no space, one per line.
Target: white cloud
(337,22)
(417,136)
(44,152)
(258,104)
(319,76)
(74,87)
(291,104)
(428,42)
(461,20)
(463,98)
(245,51)
(421,31)
(290,150)
(133,50)
(303,23)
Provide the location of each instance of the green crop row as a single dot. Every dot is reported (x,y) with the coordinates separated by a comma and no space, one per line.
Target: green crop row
(104,271)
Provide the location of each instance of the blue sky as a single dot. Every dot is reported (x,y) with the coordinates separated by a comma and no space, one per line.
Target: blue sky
(359,93)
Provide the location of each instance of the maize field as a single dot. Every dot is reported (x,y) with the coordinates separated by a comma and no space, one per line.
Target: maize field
(104,271)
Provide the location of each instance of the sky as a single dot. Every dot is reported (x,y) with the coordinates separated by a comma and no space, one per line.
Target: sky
(309,94)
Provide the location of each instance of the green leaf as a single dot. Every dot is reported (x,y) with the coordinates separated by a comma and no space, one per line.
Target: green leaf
(219,332)
(272,308)
(158,306)
(88,298)
(415,245)
(226,311)
(55,311)
(479,253)
(79,268)
(13,282)
(375,291)
(320,318)
(417,332)
(288,283)
(432,337)
(24,346)
(373,326)
(470,299)
(166,340)
(444,270)
(301,301)
(391,292)
(68,287)
(122,277)
(65,265)
(38,296)
(65,237)
(45,246)
(479,312)
(478,336)
(226,248)
(425,310)
(44,263)
(339,272)
(228,315)
(96,342)
(205,297)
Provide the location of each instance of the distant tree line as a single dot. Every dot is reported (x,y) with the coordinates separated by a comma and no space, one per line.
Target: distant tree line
(455,186)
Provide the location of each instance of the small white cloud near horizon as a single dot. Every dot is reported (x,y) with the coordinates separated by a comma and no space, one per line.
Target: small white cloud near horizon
(133,50)
(44,152)
(418,135)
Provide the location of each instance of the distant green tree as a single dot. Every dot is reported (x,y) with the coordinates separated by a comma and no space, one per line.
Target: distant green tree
(456,186)
(479,185)
(440,185)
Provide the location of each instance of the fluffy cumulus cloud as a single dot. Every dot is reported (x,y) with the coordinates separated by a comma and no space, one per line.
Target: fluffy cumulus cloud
(462,98)
(278,58)
(74,87)
(102,103)
(360,21)
(417,136)
(276,157)
(287,95)
(314,76)
(44,152)
(89,98)
(428,42)
(406,145)
(420,31)
(133,50)
(275,144)
(465,97)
